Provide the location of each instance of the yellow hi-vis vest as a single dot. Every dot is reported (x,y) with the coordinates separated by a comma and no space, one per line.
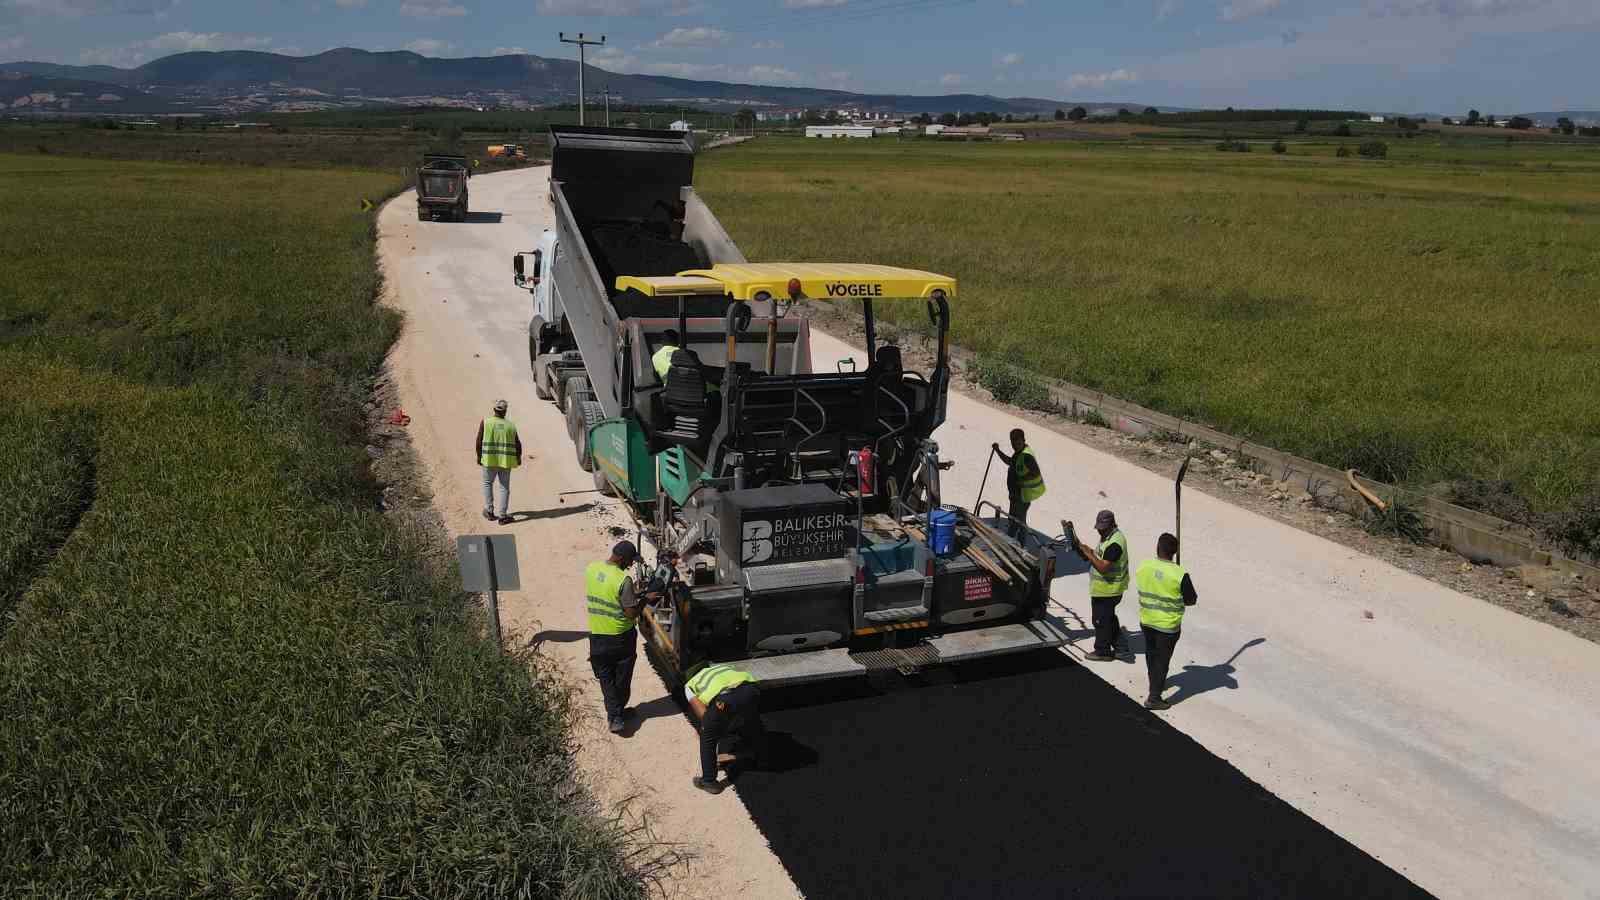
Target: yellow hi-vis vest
(603,583)
(1031,486)
(1160,595)
(1114,582)
(499,444)
(662,360)
(713,680)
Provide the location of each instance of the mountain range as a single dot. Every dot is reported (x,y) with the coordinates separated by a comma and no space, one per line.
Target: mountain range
(242,81)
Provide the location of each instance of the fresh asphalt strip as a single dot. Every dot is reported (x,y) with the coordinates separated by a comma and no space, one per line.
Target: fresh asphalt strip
(1020,777)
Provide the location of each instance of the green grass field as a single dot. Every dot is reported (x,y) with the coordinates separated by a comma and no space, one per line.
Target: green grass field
(1426,319)
(223,672)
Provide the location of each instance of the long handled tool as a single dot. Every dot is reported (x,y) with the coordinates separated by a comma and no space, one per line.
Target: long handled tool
(562,497)
(1177,490)
(985,483)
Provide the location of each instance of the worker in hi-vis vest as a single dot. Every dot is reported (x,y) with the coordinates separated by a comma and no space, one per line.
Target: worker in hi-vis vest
(1024,481)
(1165,590)
(1108,579)
(726,701)
(499,450)
(613,639)
(671,342)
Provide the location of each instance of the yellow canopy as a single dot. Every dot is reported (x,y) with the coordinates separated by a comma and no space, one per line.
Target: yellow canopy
(818,281)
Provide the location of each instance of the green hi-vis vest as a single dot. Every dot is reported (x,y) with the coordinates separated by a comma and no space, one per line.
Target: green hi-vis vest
(603,583)
(663,361)
(1114,582)
(499,444)
(1031,486)
(713,680)
(1160,595)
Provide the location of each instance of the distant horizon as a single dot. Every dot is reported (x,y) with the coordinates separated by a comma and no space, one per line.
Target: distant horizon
(1418,55)
(1135,106)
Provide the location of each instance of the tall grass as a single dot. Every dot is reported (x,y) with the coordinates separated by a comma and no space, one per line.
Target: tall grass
(234,677)
(1427,319)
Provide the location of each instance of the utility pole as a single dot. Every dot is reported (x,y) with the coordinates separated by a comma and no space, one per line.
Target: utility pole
(582,43)
(608,105)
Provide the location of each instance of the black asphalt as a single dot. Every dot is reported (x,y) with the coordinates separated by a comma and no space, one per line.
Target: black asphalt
(1025,777)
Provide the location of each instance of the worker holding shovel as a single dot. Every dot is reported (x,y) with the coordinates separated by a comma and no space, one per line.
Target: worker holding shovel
(1024,481)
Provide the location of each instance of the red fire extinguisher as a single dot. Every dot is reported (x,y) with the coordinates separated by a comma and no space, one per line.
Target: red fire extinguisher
(864,474)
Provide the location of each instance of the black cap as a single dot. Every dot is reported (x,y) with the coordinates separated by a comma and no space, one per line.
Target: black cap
(1106,519)
(625,551)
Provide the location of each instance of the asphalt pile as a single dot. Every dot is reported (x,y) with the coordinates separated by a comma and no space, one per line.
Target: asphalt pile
(1025,777)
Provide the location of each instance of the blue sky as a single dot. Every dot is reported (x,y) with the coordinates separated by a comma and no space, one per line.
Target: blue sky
(1407,55)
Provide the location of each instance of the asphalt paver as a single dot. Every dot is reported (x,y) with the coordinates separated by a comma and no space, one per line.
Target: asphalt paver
(1025,777)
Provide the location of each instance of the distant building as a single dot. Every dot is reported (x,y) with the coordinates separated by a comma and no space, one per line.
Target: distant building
(967,133)
(934,129)
(839,131)
(1377,119)
(679,125)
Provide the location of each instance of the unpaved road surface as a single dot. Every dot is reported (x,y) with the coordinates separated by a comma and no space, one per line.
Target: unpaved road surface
(1453,740)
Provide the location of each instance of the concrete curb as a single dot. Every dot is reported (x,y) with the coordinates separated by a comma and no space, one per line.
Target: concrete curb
(1473,534)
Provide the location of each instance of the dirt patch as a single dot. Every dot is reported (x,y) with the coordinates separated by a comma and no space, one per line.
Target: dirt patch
(1566,602)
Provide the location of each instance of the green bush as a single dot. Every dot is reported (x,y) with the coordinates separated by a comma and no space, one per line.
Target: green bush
(1374,150)
(1280,147)
(1011,385)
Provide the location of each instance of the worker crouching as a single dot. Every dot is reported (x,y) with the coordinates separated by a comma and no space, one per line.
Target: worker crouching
(727,702)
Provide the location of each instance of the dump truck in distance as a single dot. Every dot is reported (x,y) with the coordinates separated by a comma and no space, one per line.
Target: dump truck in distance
(796,514)
(442,187)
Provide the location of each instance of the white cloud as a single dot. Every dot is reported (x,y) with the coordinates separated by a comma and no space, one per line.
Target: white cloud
(619,7)
(767,45)
(9,44)
(700,36)
(813,4)
(1239,10)
(950,79)
(508,51)
(429,46)
(1099,80)
(350,4)
(1010,59)
(771,74)
(432,9)
(167,44)
(1166,9)
(836,78)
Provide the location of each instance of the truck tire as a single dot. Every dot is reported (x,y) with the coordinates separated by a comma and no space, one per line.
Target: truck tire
(577,384)
(590,414)
(541,374)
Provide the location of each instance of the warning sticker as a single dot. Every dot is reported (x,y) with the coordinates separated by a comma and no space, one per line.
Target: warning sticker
(978,587)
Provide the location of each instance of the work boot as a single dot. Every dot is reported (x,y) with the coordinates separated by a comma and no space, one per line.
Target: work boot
(618,726)
(710,787)
(1154,702)
(488,515)
(506,520)
(1097,656)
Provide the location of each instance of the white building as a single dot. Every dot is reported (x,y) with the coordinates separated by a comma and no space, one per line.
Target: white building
(933,129)
(679,125)
(1378,119)
(839,131)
